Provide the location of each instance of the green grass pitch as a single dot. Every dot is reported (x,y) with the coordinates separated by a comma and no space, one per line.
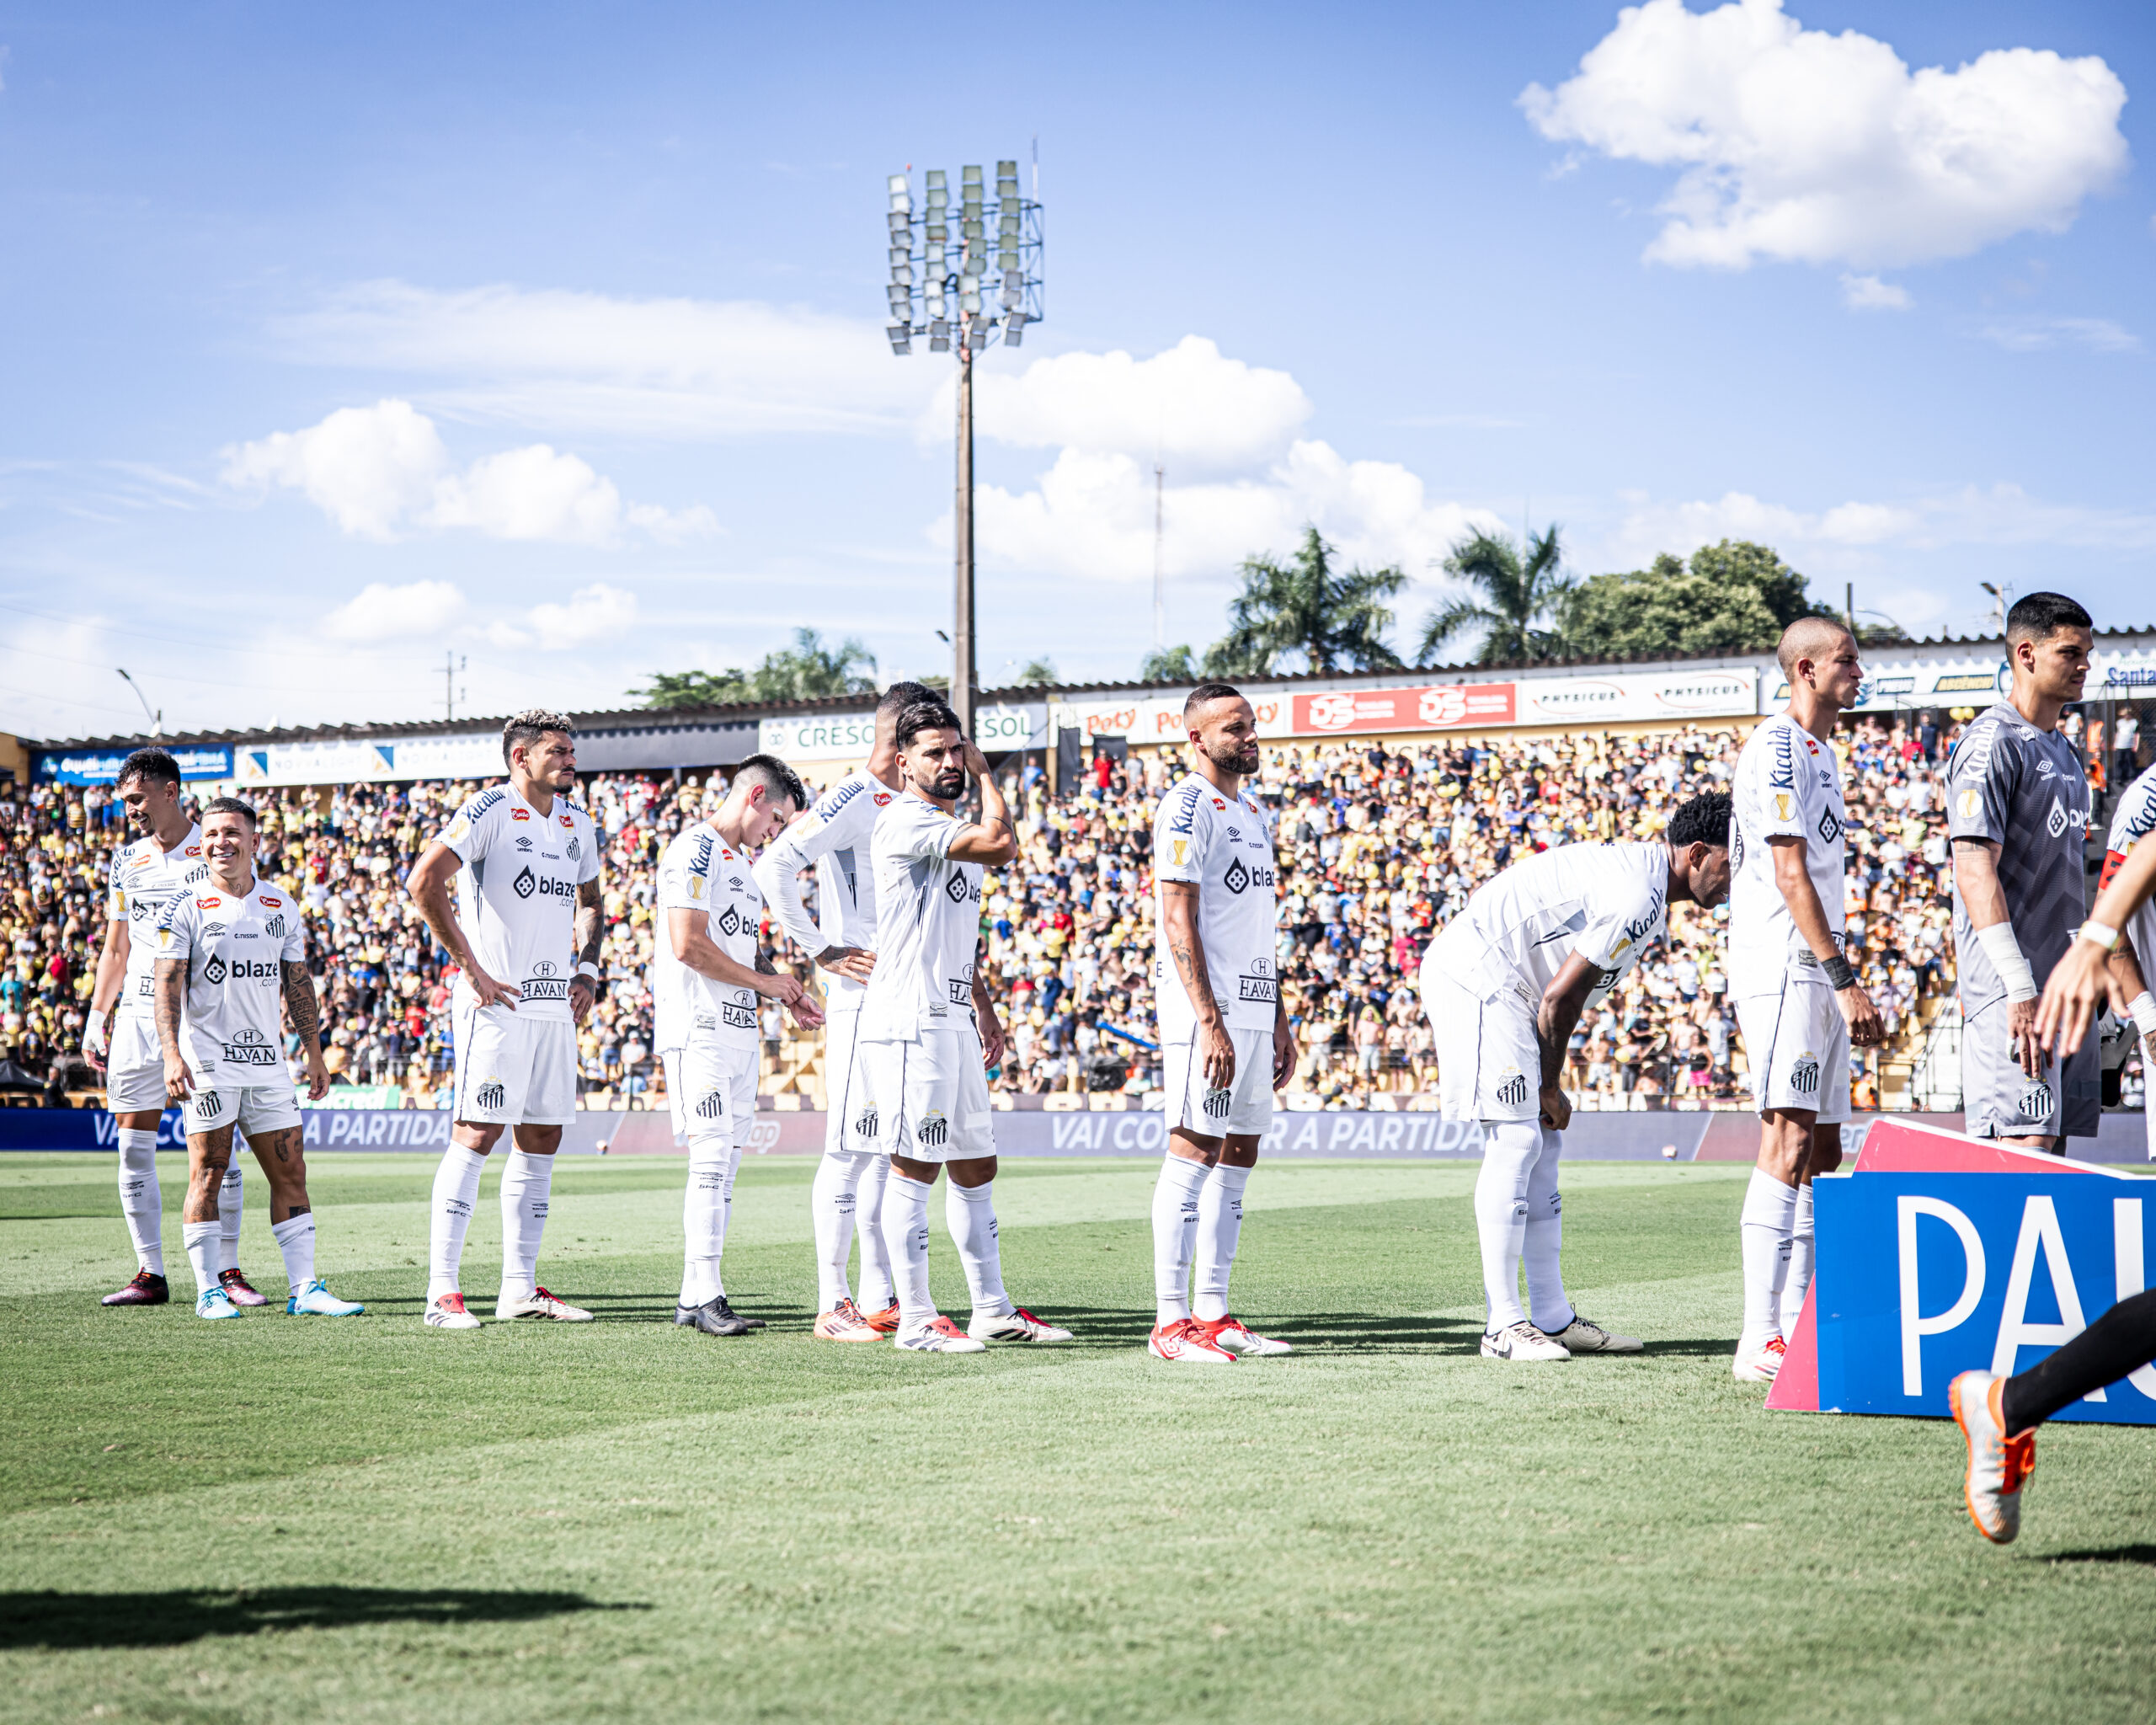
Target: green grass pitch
(284,1519)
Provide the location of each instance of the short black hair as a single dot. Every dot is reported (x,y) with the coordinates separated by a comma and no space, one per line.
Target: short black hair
(774,776)
(153,767)
(928,715)
(529,725)
(1209,692)
(232,805)
(1702,821)
(2037,617)
(901,696)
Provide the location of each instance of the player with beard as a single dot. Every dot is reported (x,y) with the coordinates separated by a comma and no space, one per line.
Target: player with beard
(1225,1044)
(833,838)
(147,876)
(929,1031)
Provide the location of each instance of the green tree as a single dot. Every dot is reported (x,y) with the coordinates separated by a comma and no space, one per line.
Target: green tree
(694,688)
(1037,673)
(806,671)
(1168,665)
(1735,597)
(1335,619)
(1521,598)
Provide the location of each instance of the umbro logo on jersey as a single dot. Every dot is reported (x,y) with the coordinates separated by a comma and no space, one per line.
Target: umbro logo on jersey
(211,931)
(490,1096)
(522,842)
(711,1105)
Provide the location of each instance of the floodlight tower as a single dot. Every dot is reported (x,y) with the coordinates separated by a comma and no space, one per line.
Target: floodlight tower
(971,274)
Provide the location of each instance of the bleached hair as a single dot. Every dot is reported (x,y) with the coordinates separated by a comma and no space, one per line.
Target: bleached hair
(529,725)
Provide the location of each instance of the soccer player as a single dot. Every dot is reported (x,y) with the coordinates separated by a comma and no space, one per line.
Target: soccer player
(833,838)
(929,1032)
(227,951)
(1505,984)
(1224,1040)
(525,935)
(706,984)
(1800,1007)
(120,1031)
(2017,813)
(2135,955)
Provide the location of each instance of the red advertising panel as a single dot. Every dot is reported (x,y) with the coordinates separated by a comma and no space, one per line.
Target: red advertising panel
(1437,707)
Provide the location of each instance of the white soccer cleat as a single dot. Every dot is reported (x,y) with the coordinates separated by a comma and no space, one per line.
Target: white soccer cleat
(539,1303)
(1233,1335)
(448,1313)
(1760,1366)
(1998,1465)
(1188,1342)
(315,1300)
(214,1303)
(1522,1341)
(1018,1326)
(941,1337)
(1584,1336)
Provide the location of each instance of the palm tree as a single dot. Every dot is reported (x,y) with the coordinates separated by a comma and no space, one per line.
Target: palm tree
(1304,606)
(1521,608)
(801,672)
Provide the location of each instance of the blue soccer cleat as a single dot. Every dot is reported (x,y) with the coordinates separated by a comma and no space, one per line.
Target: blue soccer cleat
(315,1300)
(214,1303)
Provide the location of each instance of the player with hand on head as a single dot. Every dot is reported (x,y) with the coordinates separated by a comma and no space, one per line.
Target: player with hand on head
(147,875)
(929,1031)
(228,951)
(525,933)
(1800,1008)
(1225,1040)
(833,838)
(2017,814)
(1505,984)
(707,980)
(2133,960)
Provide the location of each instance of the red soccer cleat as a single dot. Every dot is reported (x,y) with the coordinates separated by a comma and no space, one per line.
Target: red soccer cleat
(884,1322)
(1189,1341)
(235,1285)
(145,1290)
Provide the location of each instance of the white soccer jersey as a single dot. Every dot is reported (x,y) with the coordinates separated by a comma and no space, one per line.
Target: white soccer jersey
(1788,783)
(144,879)
(1220,845)
(833,837)
(927,924)
(701,872)
(1610,902)
(2135,820)
(235,946)
(516,895)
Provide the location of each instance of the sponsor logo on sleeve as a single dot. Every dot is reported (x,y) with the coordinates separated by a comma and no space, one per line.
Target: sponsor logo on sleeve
(1781,805)
(1781,769)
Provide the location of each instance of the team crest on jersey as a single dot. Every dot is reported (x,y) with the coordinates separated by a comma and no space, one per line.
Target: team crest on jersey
(1512,1088)
(208,1105)
(864,1124)
(1216,1104)
(576,849)
(274,928)
(2036,1102)
(1804,1075)
(491,1096)
(934,1131)
(711,1105)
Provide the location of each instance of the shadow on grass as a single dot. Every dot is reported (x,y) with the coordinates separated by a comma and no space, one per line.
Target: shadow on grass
(59,1622)
(2143,1555)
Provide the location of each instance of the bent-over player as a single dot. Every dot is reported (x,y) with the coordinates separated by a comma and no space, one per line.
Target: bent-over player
(1505,986)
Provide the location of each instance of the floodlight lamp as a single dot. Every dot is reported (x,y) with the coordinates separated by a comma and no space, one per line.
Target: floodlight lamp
(901,254)
(901,336)
(977,339)
(976,229)
(901,228)
(897,183)
(935,179)
(902,202)
(939,343)
(970,302)
(1006,170)
(971,176)
(1014,329)
(1008,263)
(1012,297)
(901,273)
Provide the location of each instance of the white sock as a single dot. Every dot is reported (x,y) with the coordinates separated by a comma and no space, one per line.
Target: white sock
(141,1201)
(706,1209)
(1219,1230)
(1800,1263)
(1175,1233)
(456,1194)
(1510,1150)
(232,1201)
(204,1246)
(527,1181)
(879,1292)
(905,1237)
(294,1237)
(1549,1310)
(1769,1219)
(832,1198)
(969,1213)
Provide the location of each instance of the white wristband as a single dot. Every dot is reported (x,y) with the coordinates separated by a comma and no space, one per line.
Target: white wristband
(2099,934)
(2004,953)
(2142,1011)
(587,969)
(94,1027)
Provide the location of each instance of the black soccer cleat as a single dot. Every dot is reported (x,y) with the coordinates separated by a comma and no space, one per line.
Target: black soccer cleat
(145,1290)
(714,1318)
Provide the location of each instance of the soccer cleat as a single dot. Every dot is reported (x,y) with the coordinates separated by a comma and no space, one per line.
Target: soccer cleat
(714,1317)
(884,1322)
(1188,1342)
(1522,1341)
(448,1313)
(238,1290)
(1998,1465)
(215,1304)
(145,1290)
(539,1303)
(1760,1366)
(315,1300)
(941,1337)
(843,1322)
(1018,1326)
(1584,1336)
(1231,1334)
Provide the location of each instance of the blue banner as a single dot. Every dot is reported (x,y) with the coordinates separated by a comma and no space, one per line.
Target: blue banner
(102,766)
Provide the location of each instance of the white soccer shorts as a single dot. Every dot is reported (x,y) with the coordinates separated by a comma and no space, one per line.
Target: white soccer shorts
(513,1071)
(1245,1106)
(252,1107)
(711,1090)
(1999,1100)
(933,1095)
(1797,1043)
(1489,1063)
(850,1121)
(135,1068)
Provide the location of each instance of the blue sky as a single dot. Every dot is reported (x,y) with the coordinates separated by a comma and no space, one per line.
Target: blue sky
(550,336)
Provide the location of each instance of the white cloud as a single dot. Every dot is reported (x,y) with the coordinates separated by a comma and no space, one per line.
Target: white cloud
(1868,293)
(598,613)
(1796,145)
(2031,335)
(382,613)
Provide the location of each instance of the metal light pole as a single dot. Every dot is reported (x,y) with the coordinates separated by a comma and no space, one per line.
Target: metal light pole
(937,267)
